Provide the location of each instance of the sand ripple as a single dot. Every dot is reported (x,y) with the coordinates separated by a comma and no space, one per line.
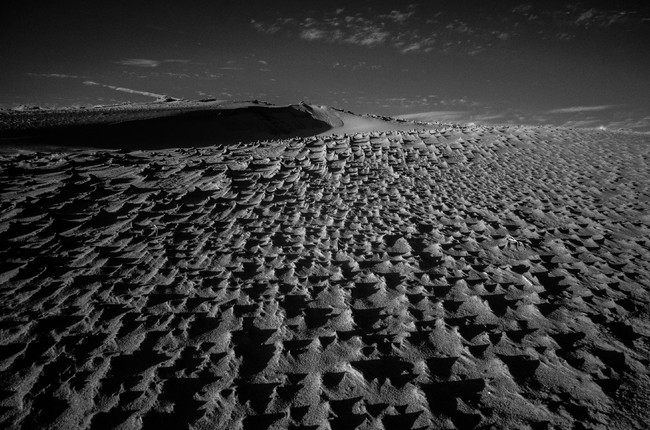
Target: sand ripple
(464,277)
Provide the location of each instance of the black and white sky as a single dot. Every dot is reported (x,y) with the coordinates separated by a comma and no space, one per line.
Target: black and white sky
(571,63)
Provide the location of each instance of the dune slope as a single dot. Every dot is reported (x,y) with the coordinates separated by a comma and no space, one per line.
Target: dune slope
(174,124)
(463,277)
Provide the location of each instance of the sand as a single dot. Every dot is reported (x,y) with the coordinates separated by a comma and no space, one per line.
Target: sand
(178,123)
(466,277)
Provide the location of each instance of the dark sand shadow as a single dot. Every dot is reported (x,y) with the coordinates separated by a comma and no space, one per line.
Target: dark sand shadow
(195,128)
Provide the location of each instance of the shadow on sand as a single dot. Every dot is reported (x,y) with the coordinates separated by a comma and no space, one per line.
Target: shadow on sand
(183,129)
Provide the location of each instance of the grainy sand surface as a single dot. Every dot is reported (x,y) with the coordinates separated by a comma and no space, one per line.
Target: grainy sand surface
(460,277)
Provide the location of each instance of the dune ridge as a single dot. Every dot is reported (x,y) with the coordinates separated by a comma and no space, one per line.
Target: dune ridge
(176,124)
(459,277)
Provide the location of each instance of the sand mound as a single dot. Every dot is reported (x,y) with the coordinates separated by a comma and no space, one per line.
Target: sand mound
(462,277)
(173,124)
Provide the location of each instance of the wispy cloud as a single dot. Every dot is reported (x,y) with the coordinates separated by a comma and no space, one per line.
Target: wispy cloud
(314,34)
(139,62)
(412,30)
(400,17)
(353,30)
(271,28)
(339,27)
(404,30)
(438,115)
(582,124)
(581,109)
(412,47)
(149,63)
(360,65)
(601,18)
(126,90)
(56,75)
(368,36)
(567,21)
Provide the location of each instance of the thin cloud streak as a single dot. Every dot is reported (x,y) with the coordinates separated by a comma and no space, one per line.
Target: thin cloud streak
(126,90)
(149,63)
(56,75)
(432,116)
(139,62)
(580,109)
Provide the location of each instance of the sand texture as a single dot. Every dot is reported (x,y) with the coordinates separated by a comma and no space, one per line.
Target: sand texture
(464,277)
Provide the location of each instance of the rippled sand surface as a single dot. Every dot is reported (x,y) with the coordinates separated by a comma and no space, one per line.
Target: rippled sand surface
(459,277)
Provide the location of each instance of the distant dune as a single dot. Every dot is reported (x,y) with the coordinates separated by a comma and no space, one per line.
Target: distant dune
(175,124)
(449,277)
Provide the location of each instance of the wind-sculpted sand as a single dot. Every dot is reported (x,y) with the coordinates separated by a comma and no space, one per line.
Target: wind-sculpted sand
(463,277)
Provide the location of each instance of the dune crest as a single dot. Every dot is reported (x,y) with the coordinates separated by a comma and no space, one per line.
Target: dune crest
(176,124)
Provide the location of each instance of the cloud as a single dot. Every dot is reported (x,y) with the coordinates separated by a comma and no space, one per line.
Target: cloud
(439,115)
(177,75)
(126,90)
(582,124)
(410,30)
(139,62)
(404,30)
(600,18)
(360,65)
(400,17)
(56,75)
(337,28)
(580,109)
(572,20)
(313,34)
(148,63)
(487,117)
(412,47)
(270,28)
(459,27)
(368,36)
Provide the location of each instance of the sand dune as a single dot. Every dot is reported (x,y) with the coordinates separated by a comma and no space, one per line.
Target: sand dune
(456,277)
(176,124)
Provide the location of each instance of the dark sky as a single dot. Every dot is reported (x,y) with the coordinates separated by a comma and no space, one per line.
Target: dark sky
(584,64)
